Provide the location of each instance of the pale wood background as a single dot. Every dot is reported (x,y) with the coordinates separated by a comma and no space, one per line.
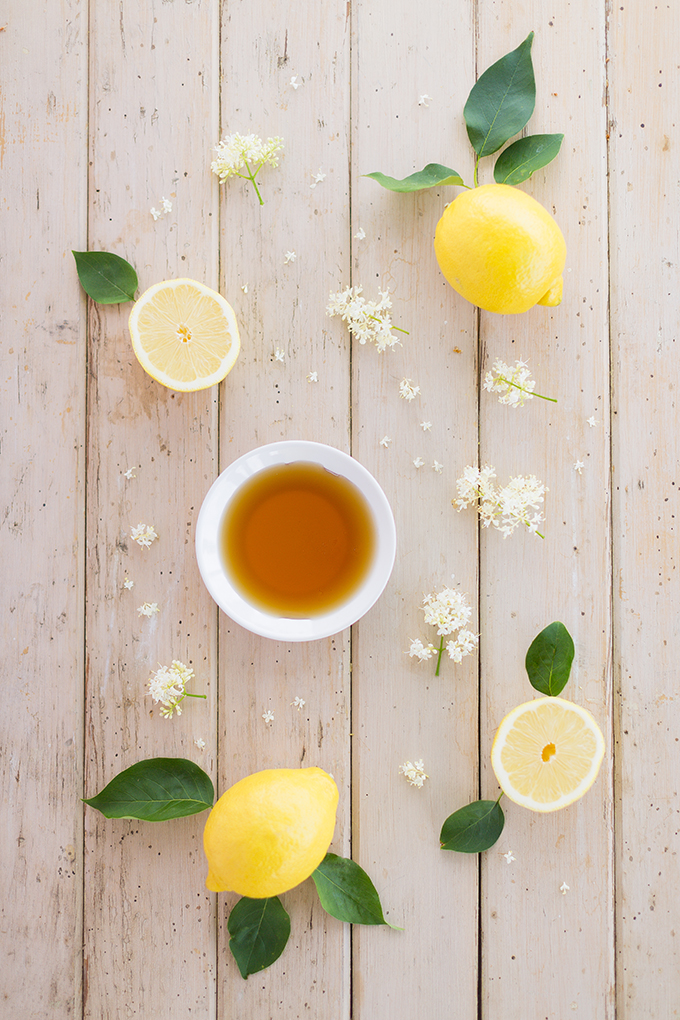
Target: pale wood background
(106,107)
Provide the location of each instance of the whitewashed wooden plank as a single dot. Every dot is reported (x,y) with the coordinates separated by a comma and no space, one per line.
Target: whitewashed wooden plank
(149,947)
(43,161)
(400,710)
(544,952)
(284,307)
(644,198)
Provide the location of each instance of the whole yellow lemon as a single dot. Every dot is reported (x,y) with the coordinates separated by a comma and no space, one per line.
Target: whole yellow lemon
(269,831)
(501,250)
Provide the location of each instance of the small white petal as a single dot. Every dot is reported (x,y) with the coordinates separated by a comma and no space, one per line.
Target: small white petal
(360,234)
(289,256)
(418,462)
(592,421)
(564,888)
(155,213)
(578,466)
(244,288)
(424,100)
(200,743)
(426,426)
(312,377)
(385,441)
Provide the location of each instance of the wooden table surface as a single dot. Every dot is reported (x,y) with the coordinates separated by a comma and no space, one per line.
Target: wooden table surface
(109,106)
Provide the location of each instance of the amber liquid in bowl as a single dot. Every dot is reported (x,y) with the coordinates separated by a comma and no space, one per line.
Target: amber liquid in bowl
(297,540)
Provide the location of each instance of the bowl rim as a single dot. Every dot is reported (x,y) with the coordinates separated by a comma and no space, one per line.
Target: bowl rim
(216,580)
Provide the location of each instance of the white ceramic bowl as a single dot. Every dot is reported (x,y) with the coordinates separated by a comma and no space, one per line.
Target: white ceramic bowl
(213,572)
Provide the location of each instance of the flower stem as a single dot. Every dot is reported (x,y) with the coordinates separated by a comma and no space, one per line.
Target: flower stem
(509,382)
(439,657)
(187,695)
(398,328)
(251,177)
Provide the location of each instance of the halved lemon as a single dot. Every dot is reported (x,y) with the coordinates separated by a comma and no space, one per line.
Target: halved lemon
(547,753)
(184,334)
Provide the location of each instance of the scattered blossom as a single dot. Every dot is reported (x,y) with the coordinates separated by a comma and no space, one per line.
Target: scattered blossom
(366,320)
(513,383)
(167,204)
(510,857)
(299,703)
(143,534)
(385,441)
(317,178)
(414,772)
(360,234)
(407,390)
(418,462)
(155,213)
(268,716)
(506,508)
(436,466)
(244,288)
(578,466)
(279,355)
(592,421)
(295,83)
(167,685)
(426,426)
(564,888)
(236,152)
(420,651)
(448,611)
(289,256)
(200,743)
(148,609)
(312,377)
(130,473)
(424,100)
(127,583)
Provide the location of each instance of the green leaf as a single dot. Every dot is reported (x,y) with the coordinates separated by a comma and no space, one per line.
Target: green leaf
(549,659)
(155,790)
(106,277)
(519,161)
(429,177)
(346,891)
(473,828)
(259,931)
(502,100)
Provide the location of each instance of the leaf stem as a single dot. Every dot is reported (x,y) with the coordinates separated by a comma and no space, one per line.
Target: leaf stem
(439,657)
(476,178)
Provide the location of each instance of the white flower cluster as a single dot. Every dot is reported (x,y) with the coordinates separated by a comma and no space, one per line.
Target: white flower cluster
(167,686)
(514,384)
(368,321)
(237,151)
(143,535)
(414,772)
(407,390)
(448,611)
(506,508)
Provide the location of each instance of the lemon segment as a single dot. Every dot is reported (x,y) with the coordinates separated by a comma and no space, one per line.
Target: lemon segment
(270,831)
(547,753)
(184,334)
(500,249)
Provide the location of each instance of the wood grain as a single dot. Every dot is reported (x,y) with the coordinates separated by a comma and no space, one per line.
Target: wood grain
(149,920)
(101,118)
(644,200)
(401,711)
(540,946)
(266,400)
(43,124)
